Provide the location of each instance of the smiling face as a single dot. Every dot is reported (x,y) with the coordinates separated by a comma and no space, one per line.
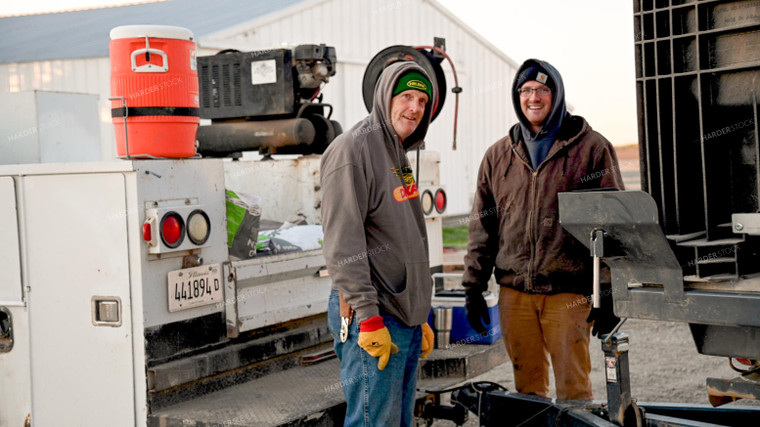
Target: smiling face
(407,110)
(536,108)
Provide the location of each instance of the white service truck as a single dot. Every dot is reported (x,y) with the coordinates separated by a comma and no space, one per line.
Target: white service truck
(118,297)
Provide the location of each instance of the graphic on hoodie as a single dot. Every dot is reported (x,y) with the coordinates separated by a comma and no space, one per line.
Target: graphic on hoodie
(408,191)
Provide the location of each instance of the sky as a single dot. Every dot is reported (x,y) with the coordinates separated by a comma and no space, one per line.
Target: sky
(590,42)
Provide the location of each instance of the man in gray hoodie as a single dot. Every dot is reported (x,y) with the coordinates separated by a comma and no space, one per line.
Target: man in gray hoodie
(376,250)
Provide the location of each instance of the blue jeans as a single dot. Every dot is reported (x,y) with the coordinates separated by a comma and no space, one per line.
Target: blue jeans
(375,397)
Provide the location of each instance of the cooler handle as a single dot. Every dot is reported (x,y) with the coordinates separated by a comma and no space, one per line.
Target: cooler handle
(149,68)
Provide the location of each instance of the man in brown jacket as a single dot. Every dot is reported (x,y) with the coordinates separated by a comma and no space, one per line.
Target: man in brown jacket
(543,271)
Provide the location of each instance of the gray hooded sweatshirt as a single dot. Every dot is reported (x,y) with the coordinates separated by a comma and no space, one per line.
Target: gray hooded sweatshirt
(375,241)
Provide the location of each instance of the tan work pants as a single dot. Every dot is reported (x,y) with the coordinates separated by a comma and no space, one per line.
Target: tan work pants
(535,326)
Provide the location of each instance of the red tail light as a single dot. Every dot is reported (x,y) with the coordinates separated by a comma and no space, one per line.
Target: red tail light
(172,229)
(440,201)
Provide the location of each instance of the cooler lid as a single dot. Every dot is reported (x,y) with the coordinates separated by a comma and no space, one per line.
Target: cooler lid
(153,31)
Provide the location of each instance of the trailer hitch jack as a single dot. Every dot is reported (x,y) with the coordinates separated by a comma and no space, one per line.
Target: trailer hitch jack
(622,409)
(432,408)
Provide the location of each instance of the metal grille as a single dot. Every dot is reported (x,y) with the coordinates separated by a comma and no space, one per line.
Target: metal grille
(226,89)
(205,86)
(236,83)
(697,80)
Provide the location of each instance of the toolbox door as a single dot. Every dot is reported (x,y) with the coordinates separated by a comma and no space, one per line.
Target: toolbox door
(79,301)
(15,387)
(10,272)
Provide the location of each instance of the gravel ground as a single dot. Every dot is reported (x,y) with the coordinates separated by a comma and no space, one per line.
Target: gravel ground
(664,366)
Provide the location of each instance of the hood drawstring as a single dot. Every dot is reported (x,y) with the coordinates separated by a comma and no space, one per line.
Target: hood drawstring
(509,160)
(564,163)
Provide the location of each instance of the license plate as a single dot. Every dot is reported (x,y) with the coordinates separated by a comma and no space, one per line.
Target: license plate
(194,287)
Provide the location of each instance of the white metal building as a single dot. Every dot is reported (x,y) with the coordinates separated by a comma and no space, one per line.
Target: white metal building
(68,52)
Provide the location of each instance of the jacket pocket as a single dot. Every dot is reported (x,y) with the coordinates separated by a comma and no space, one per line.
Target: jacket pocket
(419,289)
(418,274)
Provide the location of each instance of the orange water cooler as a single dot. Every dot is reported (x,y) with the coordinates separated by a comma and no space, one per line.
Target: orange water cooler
(154,88)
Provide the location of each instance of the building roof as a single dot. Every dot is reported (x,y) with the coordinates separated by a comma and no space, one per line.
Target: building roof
(85,33)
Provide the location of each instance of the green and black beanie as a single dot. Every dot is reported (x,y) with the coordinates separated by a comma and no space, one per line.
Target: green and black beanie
(415,81)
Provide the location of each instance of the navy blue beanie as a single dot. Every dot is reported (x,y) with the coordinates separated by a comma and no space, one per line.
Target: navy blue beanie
(534,72)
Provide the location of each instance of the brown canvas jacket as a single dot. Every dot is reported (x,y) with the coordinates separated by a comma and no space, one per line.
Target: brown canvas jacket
(514,226)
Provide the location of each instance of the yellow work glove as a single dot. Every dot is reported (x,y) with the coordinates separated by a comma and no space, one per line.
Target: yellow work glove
(375,339)
(427,340)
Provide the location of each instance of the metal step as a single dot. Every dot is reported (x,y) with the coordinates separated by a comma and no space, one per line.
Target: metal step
(704,242)
(461,362)
(717,261)
(685,237)
(241,360)
(312,395)
(297,395)
(712,278)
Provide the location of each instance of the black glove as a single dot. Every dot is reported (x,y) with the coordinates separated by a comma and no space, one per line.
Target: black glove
(477,310)
(603,317)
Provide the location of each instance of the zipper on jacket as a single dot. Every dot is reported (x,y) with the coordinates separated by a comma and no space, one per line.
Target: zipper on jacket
(534,175)
(531,234)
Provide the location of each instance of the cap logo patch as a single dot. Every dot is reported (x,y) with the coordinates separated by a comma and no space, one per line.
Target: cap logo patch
(541,77)
(416,84)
